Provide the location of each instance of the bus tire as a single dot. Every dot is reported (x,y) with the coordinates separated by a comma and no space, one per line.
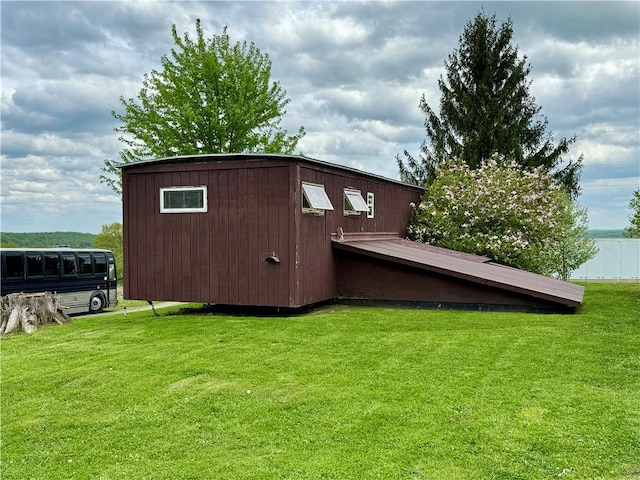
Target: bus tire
(97,303)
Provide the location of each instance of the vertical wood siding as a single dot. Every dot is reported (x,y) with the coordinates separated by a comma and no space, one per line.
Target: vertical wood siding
(392,210)
(254,209)
(212,257)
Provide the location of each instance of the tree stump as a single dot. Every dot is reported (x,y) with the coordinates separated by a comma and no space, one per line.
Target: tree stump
(26,312)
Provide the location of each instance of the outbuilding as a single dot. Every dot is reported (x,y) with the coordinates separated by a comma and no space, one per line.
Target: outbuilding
(289,231)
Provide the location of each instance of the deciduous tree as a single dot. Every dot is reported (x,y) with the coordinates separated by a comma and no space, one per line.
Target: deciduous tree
(486,108)
(633,230)
(211,96)
(110,238)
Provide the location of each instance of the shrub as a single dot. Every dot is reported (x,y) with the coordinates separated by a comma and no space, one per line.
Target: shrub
(514,216)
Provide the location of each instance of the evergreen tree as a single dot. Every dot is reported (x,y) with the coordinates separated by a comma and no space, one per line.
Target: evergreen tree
(485,109)
(211,96)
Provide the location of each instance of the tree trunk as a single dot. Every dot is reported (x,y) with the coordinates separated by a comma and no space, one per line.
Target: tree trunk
(26,312)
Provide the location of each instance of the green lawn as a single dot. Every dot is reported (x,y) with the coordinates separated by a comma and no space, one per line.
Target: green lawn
(341,393)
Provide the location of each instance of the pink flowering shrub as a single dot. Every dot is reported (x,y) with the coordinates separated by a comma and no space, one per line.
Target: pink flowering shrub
(514,216)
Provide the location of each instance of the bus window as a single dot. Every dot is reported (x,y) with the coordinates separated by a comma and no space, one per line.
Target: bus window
(70,266)
(112,271)
(99,263)
(15,265)
(52,265)
(34,265)
(84,263)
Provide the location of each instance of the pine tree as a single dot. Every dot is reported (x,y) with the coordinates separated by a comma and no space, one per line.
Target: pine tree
(486,108)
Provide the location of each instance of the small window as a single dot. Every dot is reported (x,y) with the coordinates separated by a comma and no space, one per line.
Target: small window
(15,265)
(52,265)
(69,264)
(354,204)
(183,199)
(315,199)
(84,263)
(370,205)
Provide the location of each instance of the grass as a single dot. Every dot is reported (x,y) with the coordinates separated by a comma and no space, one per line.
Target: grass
(122,303)
(341,393)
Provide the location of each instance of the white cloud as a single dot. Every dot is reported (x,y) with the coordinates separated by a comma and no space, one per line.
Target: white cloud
(308,27)
(603,153)
(354,72)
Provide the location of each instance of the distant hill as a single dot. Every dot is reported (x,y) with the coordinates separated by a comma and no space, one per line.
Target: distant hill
(85,240)
(606,233)
(46,239)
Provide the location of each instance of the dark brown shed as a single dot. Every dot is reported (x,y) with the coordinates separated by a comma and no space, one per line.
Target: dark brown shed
(256,230)
(250,236)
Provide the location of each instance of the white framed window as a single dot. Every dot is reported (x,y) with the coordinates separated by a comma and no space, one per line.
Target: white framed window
(183,199)
(370,205)
(315,199)
(354,204)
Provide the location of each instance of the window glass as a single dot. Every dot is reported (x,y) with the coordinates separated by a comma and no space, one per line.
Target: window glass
(15,265)
(34,265)
(353,202)
(52,264)
(183,199)
(99,263)
(69,264)
(112,271)
(314,198)
(84,263)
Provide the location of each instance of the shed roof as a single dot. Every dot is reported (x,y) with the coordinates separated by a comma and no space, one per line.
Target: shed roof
(226,157)
(472,268)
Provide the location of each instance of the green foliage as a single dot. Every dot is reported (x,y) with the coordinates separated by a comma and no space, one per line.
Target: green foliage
(486,108)
(344,393)
(110,238)
(574,246)
(210,97)
(512,215)
(46,239)
(633,230)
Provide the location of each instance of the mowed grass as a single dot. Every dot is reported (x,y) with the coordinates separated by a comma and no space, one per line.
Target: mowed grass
(340,393)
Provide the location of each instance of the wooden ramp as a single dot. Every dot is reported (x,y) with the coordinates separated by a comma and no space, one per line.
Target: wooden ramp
(386,267)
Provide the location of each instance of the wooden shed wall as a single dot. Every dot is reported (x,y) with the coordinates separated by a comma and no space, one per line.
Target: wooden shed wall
(366,278)
(254,208)
(217,256)
(316,274)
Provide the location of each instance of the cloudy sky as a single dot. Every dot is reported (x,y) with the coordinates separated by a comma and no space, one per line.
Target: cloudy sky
(354,72)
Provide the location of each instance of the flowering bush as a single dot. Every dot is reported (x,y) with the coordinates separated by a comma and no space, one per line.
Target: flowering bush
(514,216)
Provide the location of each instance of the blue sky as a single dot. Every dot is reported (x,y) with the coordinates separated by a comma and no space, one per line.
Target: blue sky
(354,72)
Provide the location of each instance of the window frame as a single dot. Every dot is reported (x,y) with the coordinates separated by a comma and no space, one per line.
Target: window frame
(20,272)
(69,259)
(99,263)
(201,188)
(52,265)
(32,260)
(351,196)
(85,263)
(308,189)
(371,205)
